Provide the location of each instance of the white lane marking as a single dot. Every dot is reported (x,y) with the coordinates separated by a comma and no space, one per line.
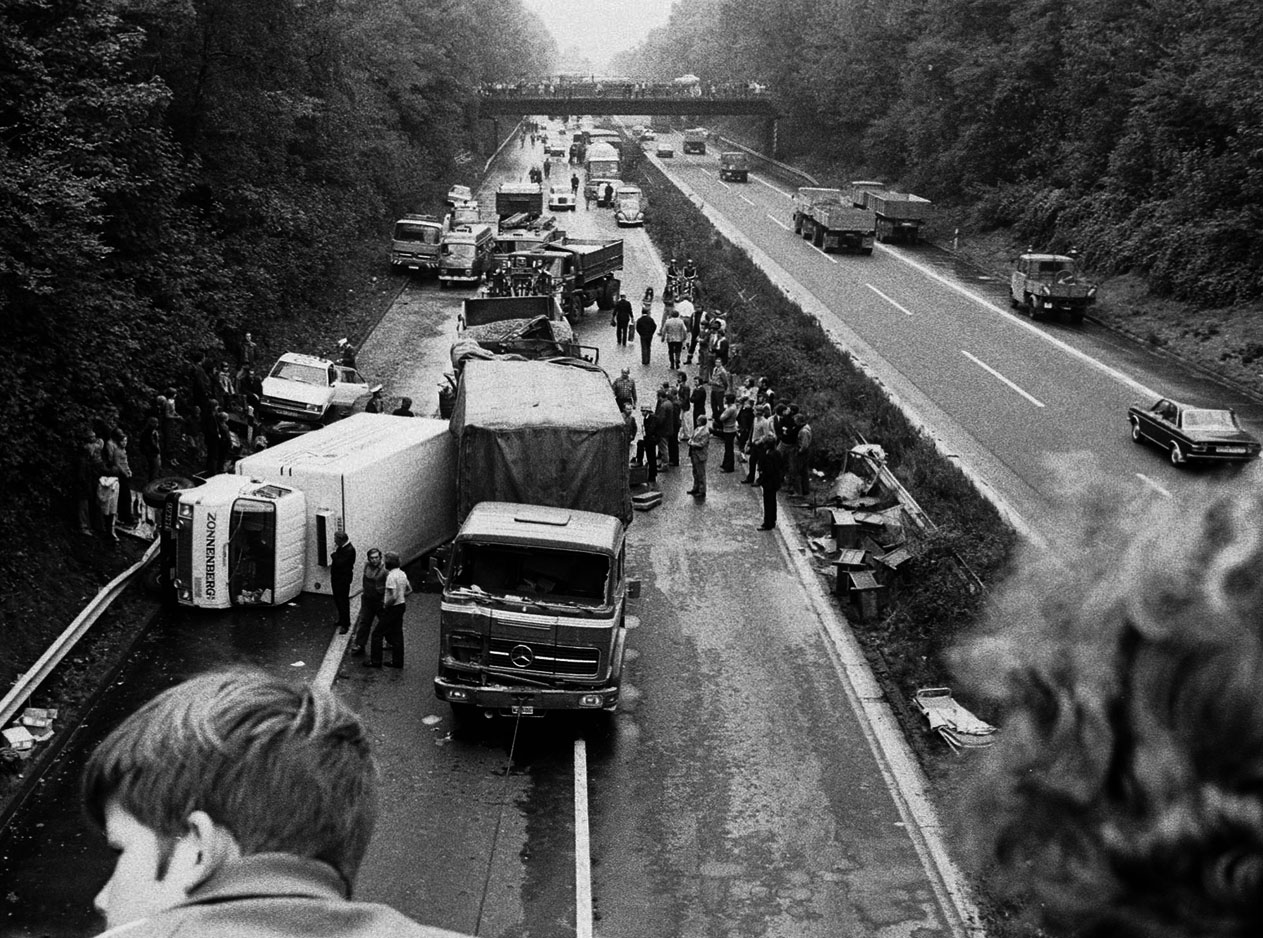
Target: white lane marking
(778,221)
(888,299)
(328,670)
(1153,485)
(823,254)
(744,199)
(582,846)
(788,195)
(724,184)
(1110,372)
(987,368)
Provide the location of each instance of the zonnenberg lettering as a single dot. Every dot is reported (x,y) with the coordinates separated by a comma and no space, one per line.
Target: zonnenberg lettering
(209,581)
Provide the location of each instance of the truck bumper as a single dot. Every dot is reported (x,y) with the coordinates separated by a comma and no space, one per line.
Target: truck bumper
(516,700)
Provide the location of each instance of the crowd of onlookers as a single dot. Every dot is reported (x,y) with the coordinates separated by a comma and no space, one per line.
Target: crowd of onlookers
(618,88)
(199,428)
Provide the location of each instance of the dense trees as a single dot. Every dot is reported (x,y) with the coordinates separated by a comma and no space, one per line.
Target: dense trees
(1132,130)
(173,172)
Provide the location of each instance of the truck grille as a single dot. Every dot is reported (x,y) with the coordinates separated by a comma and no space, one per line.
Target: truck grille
(532,658)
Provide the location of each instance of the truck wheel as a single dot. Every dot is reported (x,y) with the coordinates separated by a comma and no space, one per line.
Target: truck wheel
(866,251)
(156,490)
(1076,319)
(465,717)
(1136,436)
(1177,455)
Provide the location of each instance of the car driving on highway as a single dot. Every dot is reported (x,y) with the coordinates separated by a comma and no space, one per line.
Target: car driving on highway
(1192,433)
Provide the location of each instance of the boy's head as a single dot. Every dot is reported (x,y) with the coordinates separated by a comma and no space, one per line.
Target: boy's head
(225,765)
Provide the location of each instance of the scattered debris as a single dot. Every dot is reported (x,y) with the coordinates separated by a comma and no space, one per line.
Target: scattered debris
(959,728)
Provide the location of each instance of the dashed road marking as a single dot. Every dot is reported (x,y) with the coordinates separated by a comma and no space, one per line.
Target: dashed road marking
(778,221)
(1153,485)
(788,195)
(987,368)
(907,312)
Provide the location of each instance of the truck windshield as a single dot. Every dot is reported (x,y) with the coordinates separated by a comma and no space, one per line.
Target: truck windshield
(542,574)
(462,251)
(417,234)
(252,552)
(304,374)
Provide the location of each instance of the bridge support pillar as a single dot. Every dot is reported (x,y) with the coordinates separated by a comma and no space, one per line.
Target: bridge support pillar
(771,145)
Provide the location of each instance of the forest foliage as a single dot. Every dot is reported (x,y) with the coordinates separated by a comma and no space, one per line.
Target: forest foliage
(174,173)
(1130,130)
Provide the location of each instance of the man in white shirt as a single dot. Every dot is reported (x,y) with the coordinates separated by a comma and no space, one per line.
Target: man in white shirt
(394,604)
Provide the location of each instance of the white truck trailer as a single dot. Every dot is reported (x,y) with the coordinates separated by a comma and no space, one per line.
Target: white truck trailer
(263,535)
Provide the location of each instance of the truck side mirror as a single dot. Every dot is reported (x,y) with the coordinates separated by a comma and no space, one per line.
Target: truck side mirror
(633,589)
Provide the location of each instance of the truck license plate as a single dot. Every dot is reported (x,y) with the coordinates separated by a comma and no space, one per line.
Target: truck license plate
(522,711)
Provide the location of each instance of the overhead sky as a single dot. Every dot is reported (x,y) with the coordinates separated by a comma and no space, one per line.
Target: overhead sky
(600,27)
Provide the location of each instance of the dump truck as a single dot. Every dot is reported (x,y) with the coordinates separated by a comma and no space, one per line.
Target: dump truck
(734,166)
(525,326)
(520,198)
(577,271)
(1042,284)
(858,187)
(899,215)
(826,218)
(695,140)
(414,243)
(535,584)
(263,535)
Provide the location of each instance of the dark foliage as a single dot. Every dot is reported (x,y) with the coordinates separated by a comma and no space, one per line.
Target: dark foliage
(1130,130)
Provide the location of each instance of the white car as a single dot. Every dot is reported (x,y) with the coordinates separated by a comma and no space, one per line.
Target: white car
(311,389)
(561,199)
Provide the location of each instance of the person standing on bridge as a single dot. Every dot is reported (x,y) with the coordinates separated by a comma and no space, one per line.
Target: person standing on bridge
(239,804)
(646,328)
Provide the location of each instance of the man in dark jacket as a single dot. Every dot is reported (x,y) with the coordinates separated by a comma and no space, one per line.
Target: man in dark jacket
(770,472)
(646,328)
(622,318)
(341,573)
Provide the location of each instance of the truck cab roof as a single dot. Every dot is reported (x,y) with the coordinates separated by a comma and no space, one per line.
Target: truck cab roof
(543,526)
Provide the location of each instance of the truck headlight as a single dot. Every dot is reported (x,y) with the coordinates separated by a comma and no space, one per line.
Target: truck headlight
(313,408)
(591,700)
(186,510)
(186,595)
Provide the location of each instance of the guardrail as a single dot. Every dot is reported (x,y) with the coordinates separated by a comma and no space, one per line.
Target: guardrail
(504,143)
(66,641)
(785,168)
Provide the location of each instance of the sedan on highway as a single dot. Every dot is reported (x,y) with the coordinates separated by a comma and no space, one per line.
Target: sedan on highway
(561,199)
(1192,433)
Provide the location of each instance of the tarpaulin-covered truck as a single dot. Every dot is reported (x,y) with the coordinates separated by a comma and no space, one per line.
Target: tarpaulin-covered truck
(263,535)
(899,215)
(826,218)
(695,140)
(535,584)
(520,198)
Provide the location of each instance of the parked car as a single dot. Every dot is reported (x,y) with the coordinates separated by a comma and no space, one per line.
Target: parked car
(1193,433)
(561,199)
(648,136)
(665,149)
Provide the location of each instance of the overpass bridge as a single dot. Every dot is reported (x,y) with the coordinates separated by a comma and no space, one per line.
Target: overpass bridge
(496,105)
